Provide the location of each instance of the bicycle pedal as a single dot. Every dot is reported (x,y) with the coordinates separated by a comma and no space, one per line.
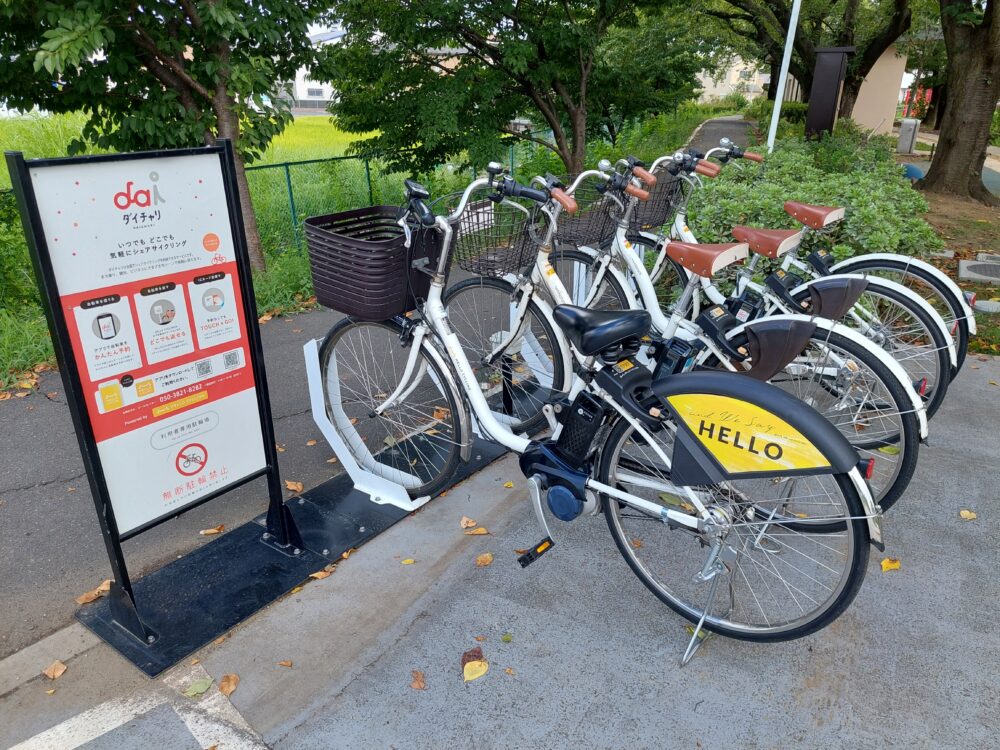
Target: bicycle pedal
(535,552)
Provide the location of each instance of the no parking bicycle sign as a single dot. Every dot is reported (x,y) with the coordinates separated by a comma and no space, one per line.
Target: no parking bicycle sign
(145,273)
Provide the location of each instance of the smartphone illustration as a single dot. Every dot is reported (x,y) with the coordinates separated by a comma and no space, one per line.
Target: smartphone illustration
(106,325)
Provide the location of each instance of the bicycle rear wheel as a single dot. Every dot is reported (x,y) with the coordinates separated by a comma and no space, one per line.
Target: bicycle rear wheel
(858,394)
(928,286)
(908,333)
(781,582)
(577,273)
(415,442)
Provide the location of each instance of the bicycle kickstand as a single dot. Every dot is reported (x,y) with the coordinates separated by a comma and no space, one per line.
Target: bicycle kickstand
(697,639)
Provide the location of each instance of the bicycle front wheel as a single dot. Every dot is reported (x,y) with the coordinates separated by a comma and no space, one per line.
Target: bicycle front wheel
(516,356)
(415,441)
(781,581)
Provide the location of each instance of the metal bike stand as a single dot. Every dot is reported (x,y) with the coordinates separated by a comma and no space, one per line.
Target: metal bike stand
(380,489)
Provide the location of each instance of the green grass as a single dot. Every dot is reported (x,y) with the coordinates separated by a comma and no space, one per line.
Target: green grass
(39,136)
(308,137)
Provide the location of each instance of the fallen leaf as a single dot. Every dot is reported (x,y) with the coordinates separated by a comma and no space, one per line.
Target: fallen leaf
(509,671)
(228,683)
(478,531)
(105,586)
(319,575)
(889,450)
(993,382)
(354,420)
(286,663)
(466,522)
(637,543)
(279,448)
(296,330)
(408,561)
(507,637)
(4,396)
(889,563)
(508,485)
(29,384)
(418,680)
(967,515)
(55,670)
(51,394)
(198,687)
(982,358)
(479,638)
(294,486)
(441,413)
(264,318)
(473,670)
(332,460)
(195,661)
(21,394)
(50,692)
(974,367)
(89,596)
(348,553)
(212,531)
(431,432)
(484,559)
(520,552)
(296,590)
(220,639)
(310,443)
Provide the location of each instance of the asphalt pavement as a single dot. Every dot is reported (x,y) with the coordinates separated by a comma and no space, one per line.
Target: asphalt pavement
(579,653)
(50,542)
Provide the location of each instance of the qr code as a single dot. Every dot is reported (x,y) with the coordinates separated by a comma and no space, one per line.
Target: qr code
(203,368)
(231,360)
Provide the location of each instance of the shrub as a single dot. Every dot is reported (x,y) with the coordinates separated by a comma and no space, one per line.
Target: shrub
(760,110)
(847,169)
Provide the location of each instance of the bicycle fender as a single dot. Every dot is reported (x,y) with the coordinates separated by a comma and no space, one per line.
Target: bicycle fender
(833,296)
(730,427)
(937,273)
(775,343)
(876,283)
(893,366)
(562,342)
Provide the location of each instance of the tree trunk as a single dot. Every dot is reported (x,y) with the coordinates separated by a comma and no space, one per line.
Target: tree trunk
(941,107)
(772,87)
(973,92)
(849,96)
(229,127)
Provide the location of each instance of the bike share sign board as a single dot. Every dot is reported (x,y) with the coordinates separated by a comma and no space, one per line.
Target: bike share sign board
(143,257)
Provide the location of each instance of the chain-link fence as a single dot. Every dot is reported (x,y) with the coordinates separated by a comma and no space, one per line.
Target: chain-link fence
(286,193)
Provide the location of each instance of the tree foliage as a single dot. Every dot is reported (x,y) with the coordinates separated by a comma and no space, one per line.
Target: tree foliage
(442,77)
(167,73)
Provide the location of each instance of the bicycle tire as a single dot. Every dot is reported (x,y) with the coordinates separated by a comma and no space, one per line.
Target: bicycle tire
(614,298)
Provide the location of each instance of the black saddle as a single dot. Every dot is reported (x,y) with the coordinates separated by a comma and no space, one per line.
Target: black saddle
(593,331)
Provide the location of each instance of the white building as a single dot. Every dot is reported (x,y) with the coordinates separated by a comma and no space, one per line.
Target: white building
(742,77)
(304,91)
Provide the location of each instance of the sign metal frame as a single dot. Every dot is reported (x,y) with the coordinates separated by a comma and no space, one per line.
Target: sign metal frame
(280,530)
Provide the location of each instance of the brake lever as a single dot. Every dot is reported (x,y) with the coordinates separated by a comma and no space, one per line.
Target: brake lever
(406,230)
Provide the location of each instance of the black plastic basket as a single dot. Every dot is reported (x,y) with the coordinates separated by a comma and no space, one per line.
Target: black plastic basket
(361,267)
(596,219)
(663,202)
(491,238)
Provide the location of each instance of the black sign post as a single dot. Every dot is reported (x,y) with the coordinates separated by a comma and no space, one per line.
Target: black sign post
(95,406)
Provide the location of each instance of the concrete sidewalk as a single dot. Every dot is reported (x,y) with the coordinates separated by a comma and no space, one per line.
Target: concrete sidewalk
(592,657)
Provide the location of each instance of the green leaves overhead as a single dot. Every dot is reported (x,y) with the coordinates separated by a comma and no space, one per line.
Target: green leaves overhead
(438,78)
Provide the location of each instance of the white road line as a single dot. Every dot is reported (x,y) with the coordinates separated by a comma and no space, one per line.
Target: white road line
(211,720)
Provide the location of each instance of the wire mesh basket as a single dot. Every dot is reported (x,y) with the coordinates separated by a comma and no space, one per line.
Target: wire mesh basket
(664,199)
(596,219)
(491,238)
(361,267)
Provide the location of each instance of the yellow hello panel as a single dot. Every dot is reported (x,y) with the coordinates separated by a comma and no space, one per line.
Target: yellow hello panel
(744,437)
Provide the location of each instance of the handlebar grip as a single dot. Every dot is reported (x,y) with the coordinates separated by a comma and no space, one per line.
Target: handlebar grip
(645,175)
(753,156)
(637,192)
(523,191)
(568,202)
(422,212)
(707,169)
